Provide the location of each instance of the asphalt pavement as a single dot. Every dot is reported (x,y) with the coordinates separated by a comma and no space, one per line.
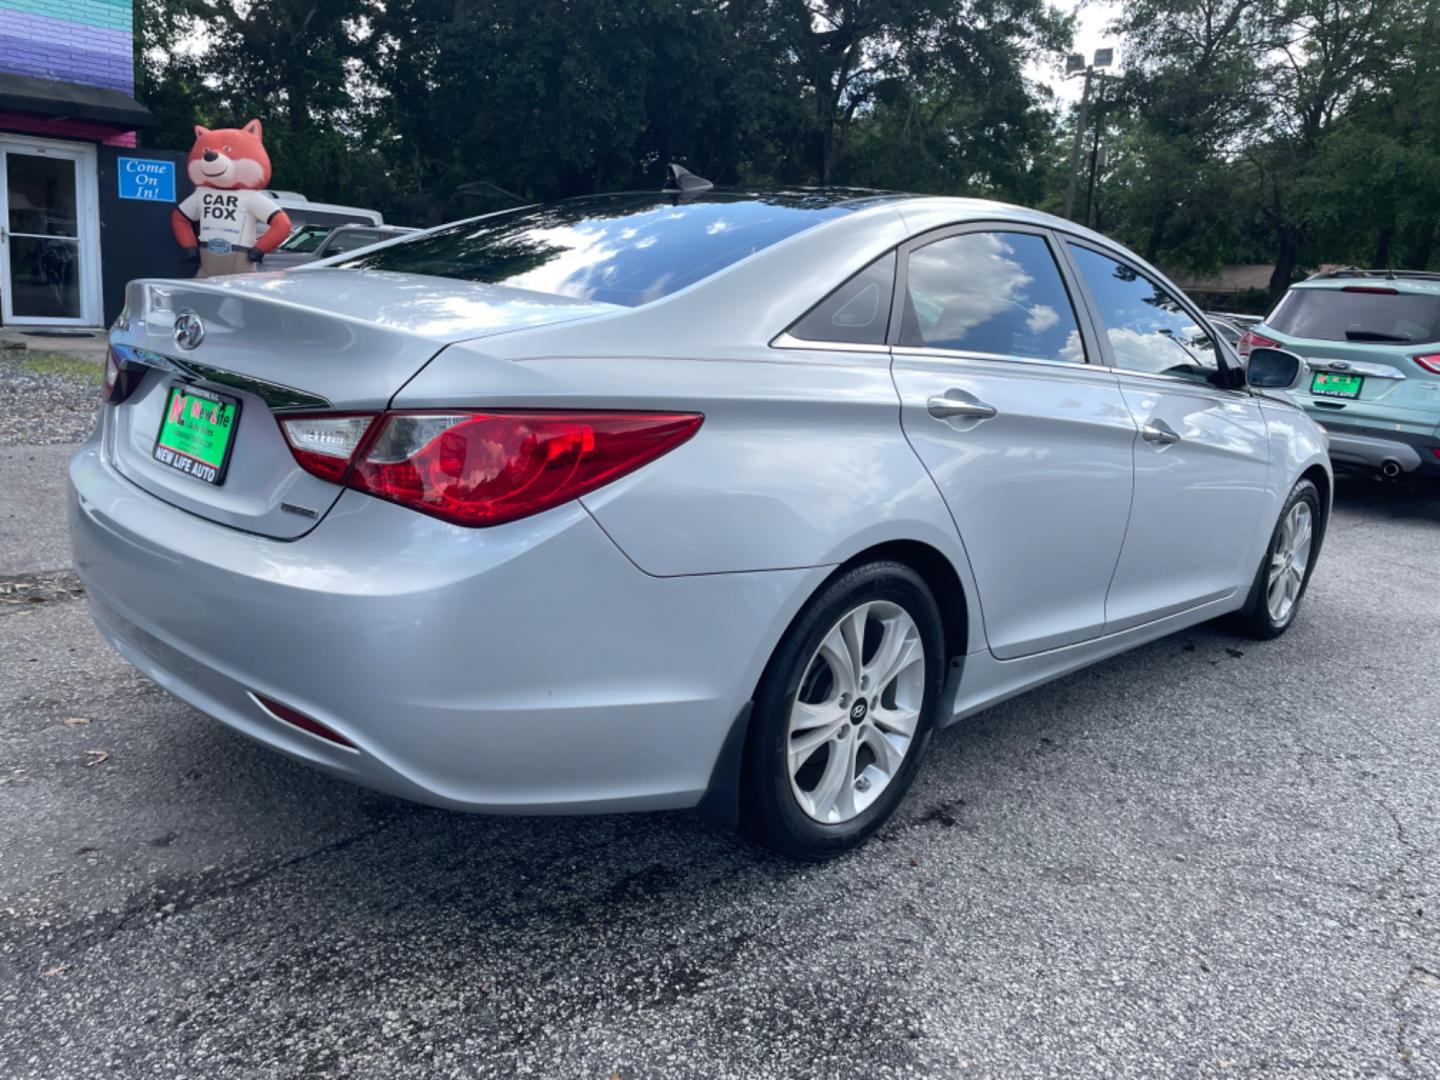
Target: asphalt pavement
(1209,857)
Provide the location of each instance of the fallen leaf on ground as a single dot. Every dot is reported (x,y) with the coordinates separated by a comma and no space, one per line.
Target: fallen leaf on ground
(58,969)
(75,721)
(96,757)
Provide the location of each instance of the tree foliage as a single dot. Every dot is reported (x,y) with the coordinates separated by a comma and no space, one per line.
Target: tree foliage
(1283,131)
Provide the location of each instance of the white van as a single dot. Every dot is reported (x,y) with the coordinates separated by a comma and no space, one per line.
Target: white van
(304,212)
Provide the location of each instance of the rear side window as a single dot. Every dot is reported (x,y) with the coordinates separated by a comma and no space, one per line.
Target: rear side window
(1350,314)
(1149,330)
(858,312)
(998,293)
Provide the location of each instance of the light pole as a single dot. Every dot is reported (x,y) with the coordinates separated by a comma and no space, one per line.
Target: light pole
(1075,65)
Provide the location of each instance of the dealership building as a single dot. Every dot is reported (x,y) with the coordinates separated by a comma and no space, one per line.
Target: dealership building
(81,209)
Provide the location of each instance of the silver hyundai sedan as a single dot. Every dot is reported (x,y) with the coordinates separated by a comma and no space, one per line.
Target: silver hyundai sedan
(652,500)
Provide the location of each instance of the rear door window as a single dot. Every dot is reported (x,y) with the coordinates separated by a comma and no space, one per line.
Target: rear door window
(994,293)
(1374,313)
(858,312)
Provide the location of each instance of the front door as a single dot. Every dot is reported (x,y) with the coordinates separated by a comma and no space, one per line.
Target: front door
(1203,457)
(47,247)
(1030,444)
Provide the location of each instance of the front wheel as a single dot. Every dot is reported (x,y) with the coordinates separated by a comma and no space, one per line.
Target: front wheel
(1285,570)
(844,713)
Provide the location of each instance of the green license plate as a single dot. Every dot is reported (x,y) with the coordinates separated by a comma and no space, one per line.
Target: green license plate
(197,432)
(1336,384)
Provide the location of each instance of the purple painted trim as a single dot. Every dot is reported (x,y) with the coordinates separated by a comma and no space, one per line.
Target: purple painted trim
(62,32)
(25,56)
(64,129)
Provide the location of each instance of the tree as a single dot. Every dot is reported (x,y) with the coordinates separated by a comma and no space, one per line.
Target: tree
(1330,53)
(1191,93)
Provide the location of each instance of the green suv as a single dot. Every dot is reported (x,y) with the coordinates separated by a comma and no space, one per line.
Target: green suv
(1372,340)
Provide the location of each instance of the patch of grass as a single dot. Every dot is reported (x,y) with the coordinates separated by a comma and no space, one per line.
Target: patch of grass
(67,367)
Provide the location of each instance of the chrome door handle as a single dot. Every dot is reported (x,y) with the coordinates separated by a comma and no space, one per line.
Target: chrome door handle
(958,403)
(1157,431)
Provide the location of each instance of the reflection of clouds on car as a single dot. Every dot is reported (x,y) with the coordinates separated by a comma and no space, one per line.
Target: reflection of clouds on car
(998,293)
(1042,317)
(965,281)
(1073,351)
(1148,329)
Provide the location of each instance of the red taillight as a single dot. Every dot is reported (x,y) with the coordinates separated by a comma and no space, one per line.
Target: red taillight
(301,721)
(119,380)
(1251,340)
(1430,363)
(324,444)
(484,468)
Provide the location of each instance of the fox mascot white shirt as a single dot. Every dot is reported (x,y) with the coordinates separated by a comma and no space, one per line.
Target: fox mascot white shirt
(228,221)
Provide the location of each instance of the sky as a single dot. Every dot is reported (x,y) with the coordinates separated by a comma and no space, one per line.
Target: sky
(1094,16)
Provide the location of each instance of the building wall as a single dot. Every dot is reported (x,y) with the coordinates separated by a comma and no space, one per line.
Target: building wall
(77,41)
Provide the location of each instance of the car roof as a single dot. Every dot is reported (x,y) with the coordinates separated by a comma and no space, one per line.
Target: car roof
(1414,283)
(922,212)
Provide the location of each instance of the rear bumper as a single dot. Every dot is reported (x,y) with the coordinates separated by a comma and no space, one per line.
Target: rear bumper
(527,668)
(1376,450)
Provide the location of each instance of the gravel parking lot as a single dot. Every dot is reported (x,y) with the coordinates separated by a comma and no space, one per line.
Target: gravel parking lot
(1207,857)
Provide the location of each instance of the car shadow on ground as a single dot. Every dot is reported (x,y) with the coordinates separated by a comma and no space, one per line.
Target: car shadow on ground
(1394,500)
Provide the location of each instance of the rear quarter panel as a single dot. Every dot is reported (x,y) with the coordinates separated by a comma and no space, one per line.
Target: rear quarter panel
(801,461)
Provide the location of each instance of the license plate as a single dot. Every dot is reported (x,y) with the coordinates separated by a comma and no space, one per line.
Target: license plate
(1336,384)
(197,432)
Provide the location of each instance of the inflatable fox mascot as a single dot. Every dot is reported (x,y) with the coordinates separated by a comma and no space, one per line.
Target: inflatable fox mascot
(228,220)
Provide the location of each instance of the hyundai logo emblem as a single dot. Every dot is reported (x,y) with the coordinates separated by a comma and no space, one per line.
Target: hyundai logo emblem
(858,711)
(1339,365)
(189,330)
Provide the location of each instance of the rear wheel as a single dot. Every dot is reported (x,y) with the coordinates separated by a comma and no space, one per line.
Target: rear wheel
(844,713)
(1285,570)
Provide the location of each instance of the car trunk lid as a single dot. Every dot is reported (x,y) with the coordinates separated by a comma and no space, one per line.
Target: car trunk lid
(310,340)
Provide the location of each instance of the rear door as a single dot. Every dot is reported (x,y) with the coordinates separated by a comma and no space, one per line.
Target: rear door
(1028,440)
(1202,460)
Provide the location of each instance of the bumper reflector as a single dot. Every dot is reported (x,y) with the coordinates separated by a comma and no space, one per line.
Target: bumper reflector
(301,721)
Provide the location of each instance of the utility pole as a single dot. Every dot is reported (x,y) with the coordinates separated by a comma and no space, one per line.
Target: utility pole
(1075,65)
(1095,161)
(1075,148)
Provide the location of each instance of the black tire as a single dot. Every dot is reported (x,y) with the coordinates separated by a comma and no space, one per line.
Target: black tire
(770,812)
(1254,619)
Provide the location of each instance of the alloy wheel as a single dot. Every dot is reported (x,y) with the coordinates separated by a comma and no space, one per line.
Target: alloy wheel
(854,717)
(1289,562)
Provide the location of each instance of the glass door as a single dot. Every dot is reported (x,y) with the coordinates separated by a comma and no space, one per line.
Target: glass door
(44,249)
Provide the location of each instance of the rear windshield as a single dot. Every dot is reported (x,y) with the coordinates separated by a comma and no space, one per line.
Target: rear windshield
(1345,315)
(616,249)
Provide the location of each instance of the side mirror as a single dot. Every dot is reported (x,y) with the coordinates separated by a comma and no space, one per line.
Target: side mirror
(1274,369)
